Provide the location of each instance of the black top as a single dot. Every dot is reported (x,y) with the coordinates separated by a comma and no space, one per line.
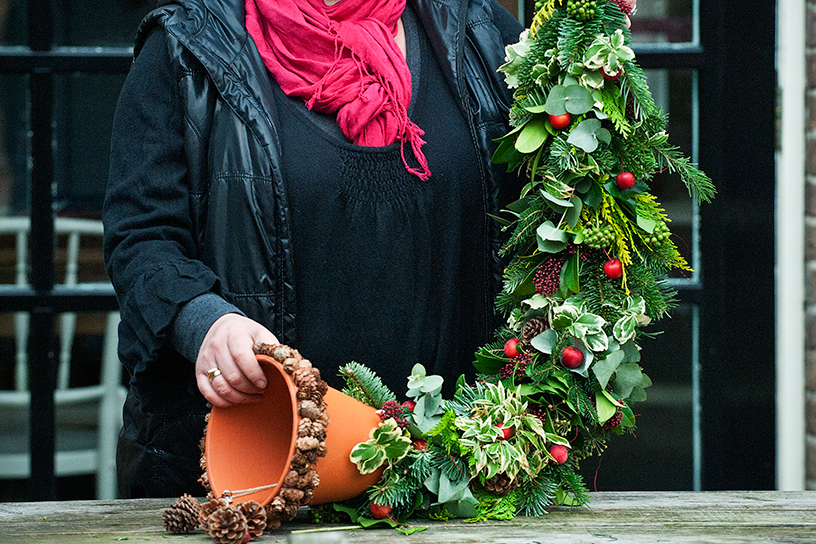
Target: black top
(368,235)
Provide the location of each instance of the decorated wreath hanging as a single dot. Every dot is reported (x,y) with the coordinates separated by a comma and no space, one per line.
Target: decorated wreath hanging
(588,250)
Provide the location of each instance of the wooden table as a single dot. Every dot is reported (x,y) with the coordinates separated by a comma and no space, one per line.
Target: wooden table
(640,517)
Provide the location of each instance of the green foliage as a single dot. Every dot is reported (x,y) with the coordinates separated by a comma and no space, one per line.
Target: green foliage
(387,443)
(364,385)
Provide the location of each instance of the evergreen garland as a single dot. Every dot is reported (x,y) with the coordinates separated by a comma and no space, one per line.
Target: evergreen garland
(588,254)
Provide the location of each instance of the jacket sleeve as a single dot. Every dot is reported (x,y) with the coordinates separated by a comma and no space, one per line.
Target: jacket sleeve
(150,253)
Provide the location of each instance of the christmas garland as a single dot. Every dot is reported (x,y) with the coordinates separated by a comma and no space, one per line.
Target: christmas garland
(588,253)
(589,250)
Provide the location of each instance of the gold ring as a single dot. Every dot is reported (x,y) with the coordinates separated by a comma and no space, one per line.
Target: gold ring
(213,373)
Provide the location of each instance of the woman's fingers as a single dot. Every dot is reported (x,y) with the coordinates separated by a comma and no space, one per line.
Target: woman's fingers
(227,371)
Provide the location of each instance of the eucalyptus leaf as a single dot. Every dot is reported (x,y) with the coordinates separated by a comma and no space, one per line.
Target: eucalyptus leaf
(584,135)
(574,99)
(550,238)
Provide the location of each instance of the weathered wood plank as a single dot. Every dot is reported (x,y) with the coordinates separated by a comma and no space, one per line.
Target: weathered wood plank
(636,517)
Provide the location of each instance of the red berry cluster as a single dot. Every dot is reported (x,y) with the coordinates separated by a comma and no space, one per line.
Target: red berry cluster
(516,366)
(393,409)
(624,6)
(613,422)
(548,275)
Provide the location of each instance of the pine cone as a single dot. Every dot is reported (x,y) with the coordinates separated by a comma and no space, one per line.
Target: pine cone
(255,515)
(207,509)
(182,515)
(501,484)
(534,327)
(227,525)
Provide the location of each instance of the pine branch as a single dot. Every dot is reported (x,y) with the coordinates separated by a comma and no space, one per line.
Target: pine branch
(536,497)
(699,185)
(364,385)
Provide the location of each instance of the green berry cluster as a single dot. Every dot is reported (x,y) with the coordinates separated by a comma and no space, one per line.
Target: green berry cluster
(659,237)
(598,237)
(583,10)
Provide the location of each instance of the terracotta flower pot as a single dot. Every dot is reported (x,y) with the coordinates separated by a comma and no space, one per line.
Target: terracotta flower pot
(251,445)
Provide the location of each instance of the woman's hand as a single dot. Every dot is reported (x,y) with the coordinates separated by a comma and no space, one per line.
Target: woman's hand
(227,371)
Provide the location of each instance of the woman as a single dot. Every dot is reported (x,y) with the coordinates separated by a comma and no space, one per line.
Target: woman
(311,173)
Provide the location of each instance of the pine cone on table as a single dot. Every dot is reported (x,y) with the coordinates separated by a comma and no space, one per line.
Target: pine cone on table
(182,515)
(227,525)
(208,508)
(255,515)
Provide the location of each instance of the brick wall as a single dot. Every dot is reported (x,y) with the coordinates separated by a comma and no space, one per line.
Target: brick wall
(810,247)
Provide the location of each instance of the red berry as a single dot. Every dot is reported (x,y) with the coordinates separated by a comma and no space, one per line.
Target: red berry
(511,347)
(410,404)
(572,357)
(611,77)
(560,122)
(613,269)
(379,511)
(559,453)
(419,444)
(625,180)
(507,432)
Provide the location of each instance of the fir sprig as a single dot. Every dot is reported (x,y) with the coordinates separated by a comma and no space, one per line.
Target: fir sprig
(365,385)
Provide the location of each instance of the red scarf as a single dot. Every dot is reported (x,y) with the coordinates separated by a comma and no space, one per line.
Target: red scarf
(342,59)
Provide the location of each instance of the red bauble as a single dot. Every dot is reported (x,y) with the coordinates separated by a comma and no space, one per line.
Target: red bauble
(613,269)
(419,444)
(560,122)
(625,180)
(379,511)
(410,404)
(511,347)
(572,357)
(559,453)
(507,432)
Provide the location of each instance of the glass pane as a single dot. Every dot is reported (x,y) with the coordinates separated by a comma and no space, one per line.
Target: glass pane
(665,21)
(13,22)
(14,144)
(117,27)
(661,455)
(674,92)
(84,114)
(83,340)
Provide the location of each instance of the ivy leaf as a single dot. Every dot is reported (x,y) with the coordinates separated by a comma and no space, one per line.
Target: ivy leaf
(545,342)
(628,376)
(604,369)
